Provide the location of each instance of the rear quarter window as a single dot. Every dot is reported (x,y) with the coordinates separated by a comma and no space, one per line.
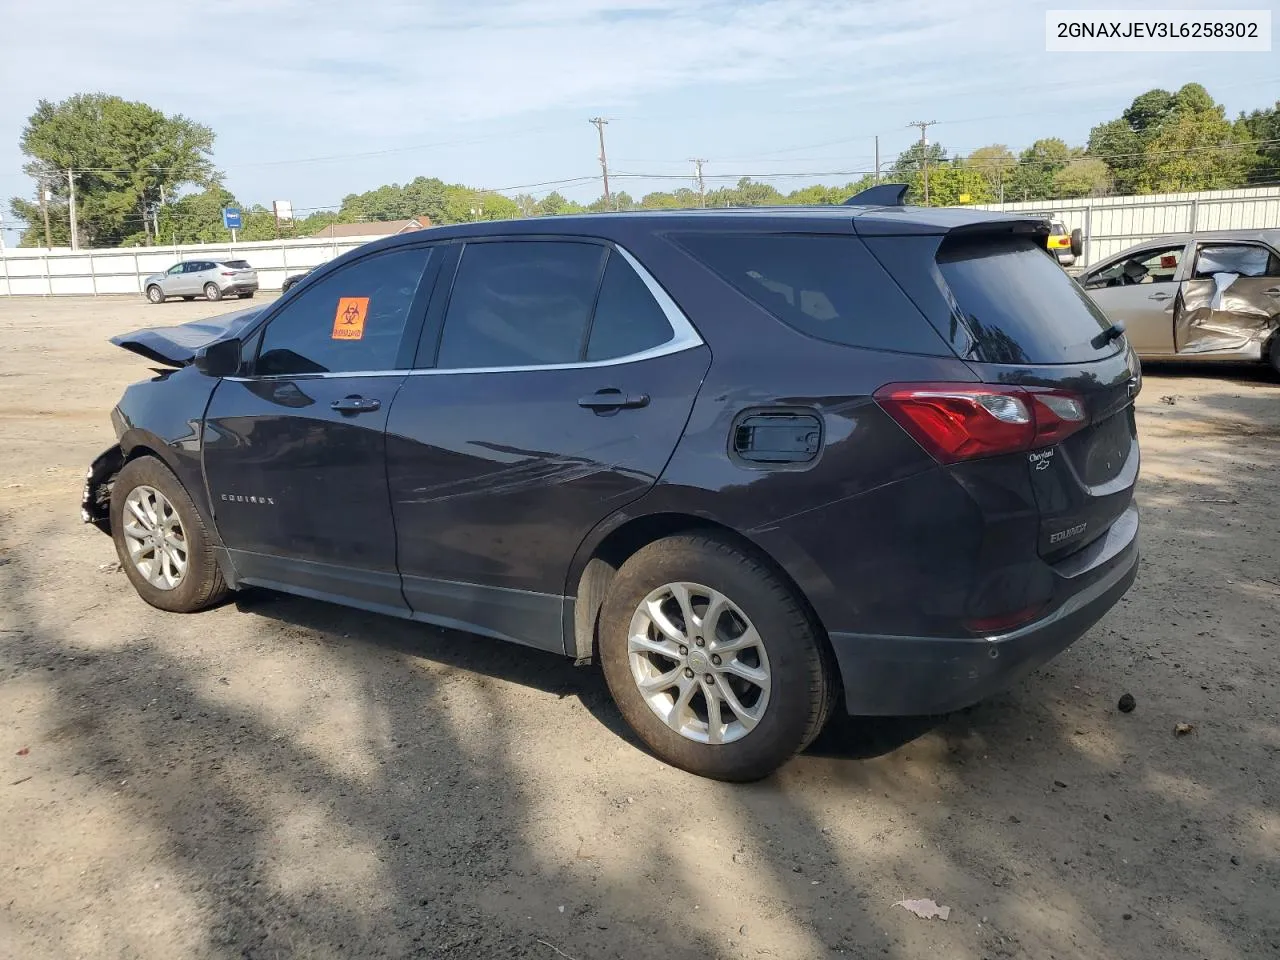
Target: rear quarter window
(829,287)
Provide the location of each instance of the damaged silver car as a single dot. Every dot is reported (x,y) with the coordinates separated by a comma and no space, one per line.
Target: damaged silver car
(1212,296)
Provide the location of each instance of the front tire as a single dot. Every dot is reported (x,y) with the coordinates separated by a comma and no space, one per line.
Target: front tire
(1273,354)
(161,540)
(212,291)
(155,294)
(712,658)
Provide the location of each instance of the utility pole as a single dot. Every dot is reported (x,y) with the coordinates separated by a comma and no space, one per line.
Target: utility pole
(44,211)
(924,125)
(702,186)
(877,159)
(600,123)
(71,182)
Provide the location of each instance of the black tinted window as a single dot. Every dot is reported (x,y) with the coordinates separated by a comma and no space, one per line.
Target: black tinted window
(520,303)
(826,286)
(627,319)
(1019,306)
(352,319)
(237,264)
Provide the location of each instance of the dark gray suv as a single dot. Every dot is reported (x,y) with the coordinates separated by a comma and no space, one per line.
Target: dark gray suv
(756,463)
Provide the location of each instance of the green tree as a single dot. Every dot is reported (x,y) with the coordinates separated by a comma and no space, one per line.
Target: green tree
(125,156)
(1033,179)
(953,183)
(996,163)
(908,163)
(1262,129)
(1084,176)
(1194,150)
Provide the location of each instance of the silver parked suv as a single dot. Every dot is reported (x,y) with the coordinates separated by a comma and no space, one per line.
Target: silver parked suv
(211,279)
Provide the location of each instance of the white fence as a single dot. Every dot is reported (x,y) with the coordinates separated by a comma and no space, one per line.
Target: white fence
(1111,224)
(26,271)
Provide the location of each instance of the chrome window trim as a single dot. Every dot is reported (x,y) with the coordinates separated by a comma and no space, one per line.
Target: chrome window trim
(684,337)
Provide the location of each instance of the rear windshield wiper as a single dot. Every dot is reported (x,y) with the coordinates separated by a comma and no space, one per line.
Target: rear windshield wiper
(1113,332)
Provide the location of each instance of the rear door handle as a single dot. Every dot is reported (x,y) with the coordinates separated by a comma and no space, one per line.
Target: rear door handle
(355,405)
(1160,296)
(613,399)
(1272,292)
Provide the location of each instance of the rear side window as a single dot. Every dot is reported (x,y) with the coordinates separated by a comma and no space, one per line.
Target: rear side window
(520,303)
(627,319)
(1246,260)
(828,287)
(1018,304)
(351,320)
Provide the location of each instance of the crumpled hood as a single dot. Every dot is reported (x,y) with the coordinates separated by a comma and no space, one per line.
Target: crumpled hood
(177,346)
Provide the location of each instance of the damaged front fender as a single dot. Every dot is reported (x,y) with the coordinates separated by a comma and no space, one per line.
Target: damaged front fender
(95,501)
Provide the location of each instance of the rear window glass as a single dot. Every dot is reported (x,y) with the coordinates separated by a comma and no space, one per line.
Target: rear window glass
(238,264)
(1019,305)
(829,287)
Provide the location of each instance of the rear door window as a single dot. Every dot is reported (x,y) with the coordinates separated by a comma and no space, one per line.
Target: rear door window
(520,303)
(1018,304)
(829,287)
(1244,259)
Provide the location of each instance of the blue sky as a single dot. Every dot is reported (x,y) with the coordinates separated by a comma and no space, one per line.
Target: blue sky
(314,99)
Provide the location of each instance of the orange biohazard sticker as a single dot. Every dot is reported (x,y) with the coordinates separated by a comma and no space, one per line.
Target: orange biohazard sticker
(348,319)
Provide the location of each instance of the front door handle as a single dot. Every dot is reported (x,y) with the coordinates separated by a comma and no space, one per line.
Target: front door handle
(1160,296)
(1272,291)
(355,404)
(613,399)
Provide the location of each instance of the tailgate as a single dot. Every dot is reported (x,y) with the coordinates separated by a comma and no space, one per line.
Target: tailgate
(1022,324)
(1085,482)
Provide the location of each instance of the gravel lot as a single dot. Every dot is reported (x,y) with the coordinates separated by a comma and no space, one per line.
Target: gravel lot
(280,778)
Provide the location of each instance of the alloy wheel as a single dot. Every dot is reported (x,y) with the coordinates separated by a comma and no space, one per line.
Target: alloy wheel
(699,663)
(154,536)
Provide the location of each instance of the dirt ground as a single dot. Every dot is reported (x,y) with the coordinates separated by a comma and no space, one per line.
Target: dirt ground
(284,778)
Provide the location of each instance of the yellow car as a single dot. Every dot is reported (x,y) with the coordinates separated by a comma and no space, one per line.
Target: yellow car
(1065,246)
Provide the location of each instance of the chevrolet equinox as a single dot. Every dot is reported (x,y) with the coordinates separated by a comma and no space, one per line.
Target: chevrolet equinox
(756,462)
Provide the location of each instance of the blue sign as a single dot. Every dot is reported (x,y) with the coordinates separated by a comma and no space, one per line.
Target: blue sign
(231,218)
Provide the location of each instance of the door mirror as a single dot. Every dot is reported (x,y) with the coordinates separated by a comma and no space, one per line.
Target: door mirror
(221,359)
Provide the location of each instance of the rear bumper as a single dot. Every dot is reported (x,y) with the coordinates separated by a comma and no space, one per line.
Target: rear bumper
(904,676)
(241,286)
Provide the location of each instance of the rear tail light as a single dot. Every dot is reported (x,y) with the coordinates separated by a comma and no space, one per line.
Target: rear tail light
(228,273)
(963,421)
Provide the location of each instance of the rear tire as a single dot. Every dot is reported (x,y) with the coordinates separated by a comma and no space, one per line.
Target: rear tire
(247,296)
(155,294)
(212,292)
(1273,354)
(779,690)
(159,534)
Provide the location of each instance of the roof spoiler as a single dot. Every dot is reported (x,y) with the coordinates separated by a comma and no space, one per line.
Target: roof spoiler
(881,195)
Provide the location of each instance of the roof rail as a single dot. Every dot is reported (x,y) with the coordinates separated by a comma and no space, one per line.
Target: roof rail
(881,195)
